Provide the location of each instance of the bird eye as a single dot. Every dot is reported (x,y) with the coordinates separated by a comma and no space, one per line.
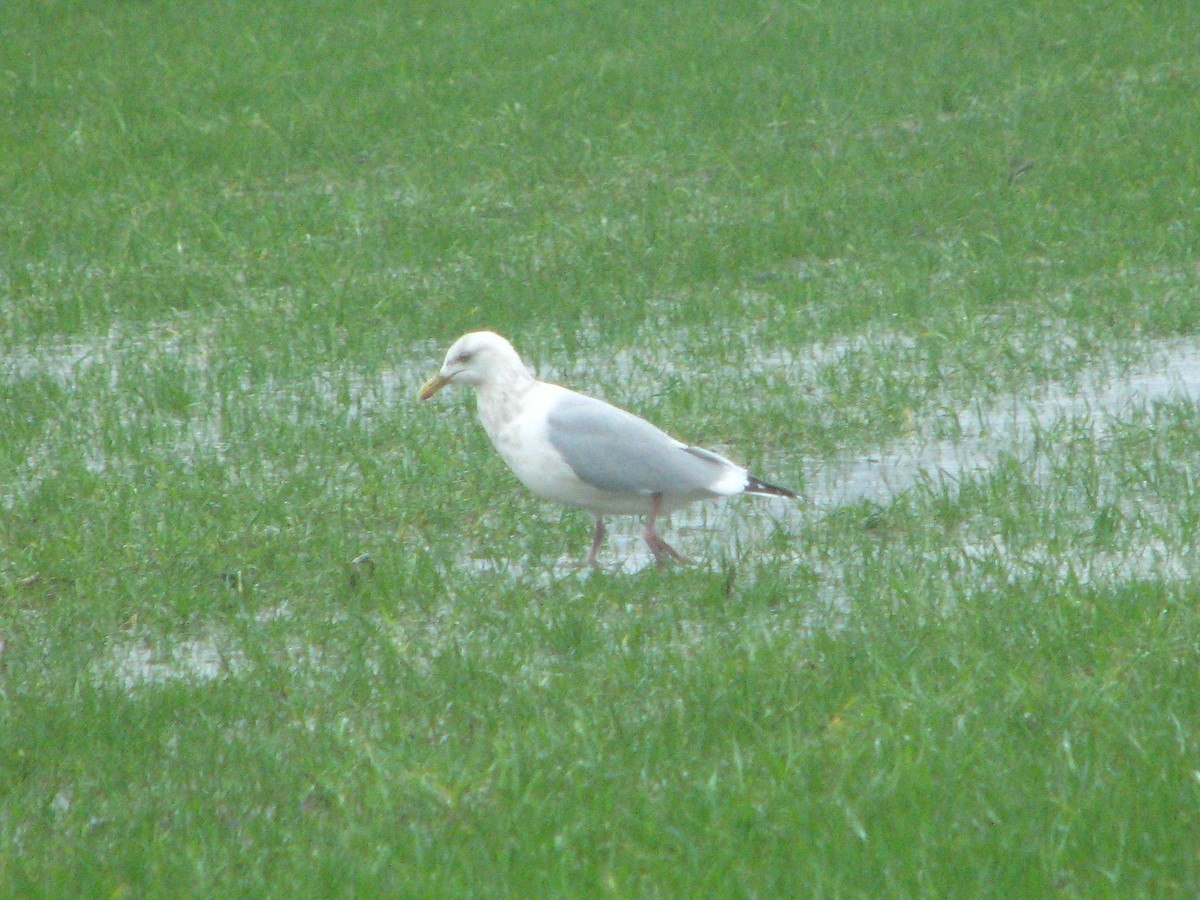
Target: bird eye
(465,356)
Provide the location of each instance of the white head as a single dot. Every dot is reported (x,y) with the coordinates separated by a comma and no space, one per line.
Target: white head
(475,359)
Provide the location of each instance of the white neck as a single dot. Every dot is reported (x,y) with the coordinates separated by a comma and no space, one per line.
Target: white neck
(497,400)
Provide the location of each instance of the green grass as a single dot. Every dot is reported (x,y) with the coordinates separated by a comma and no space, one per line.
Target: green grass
(234,239)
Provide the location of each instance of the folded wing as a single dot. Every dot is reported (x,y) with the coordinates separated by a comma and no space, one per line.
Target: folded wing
(614,450)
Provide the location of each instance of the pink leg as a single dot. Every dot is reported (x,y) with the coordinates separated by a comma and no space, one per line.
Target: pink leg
(597,537)
(660,548)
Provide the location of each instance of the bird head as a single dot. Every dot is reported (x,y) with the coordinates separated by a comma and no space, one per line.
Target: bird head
(475,359)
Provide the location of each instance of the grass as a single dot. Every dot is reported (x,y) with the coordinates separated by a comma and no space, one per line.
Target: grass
(236,237)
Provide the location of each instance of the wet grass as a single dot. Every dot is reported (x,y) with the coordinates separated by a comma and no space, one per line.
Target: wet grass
(234,240)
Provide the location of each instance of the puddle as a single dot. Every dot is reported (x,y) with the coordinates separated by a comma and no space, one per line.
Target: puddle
(142,662)
(66,361)
(192,423)
(983,436)
(1150,559)
(633,376)
(136,664)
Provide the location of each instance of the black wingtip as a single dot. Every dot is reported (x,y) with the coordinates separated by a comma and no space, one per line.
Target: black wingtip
(755,486)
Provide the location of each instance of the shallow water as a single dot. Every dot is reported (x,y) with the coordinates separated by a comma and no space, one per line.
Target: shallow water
(195,659)
(1172,372)
(977,439)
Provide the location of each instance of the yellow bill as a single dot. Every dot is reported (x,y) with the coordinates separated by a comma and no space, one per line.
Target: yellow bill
(432,386)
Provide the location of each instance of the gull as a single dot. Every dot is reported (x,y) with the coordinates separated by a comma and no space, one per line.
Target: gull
(582,452)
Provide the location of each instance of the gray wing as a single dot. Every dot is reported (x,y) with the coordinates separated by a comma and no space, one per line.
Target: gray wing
(617,451)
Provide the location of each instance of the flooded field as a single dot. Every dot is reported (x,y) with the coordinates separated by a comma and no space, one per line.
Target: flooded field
(1039,431)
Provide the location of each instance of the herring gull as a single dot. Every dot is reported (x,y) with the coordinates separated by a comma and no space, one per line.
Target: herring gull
(582,452)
